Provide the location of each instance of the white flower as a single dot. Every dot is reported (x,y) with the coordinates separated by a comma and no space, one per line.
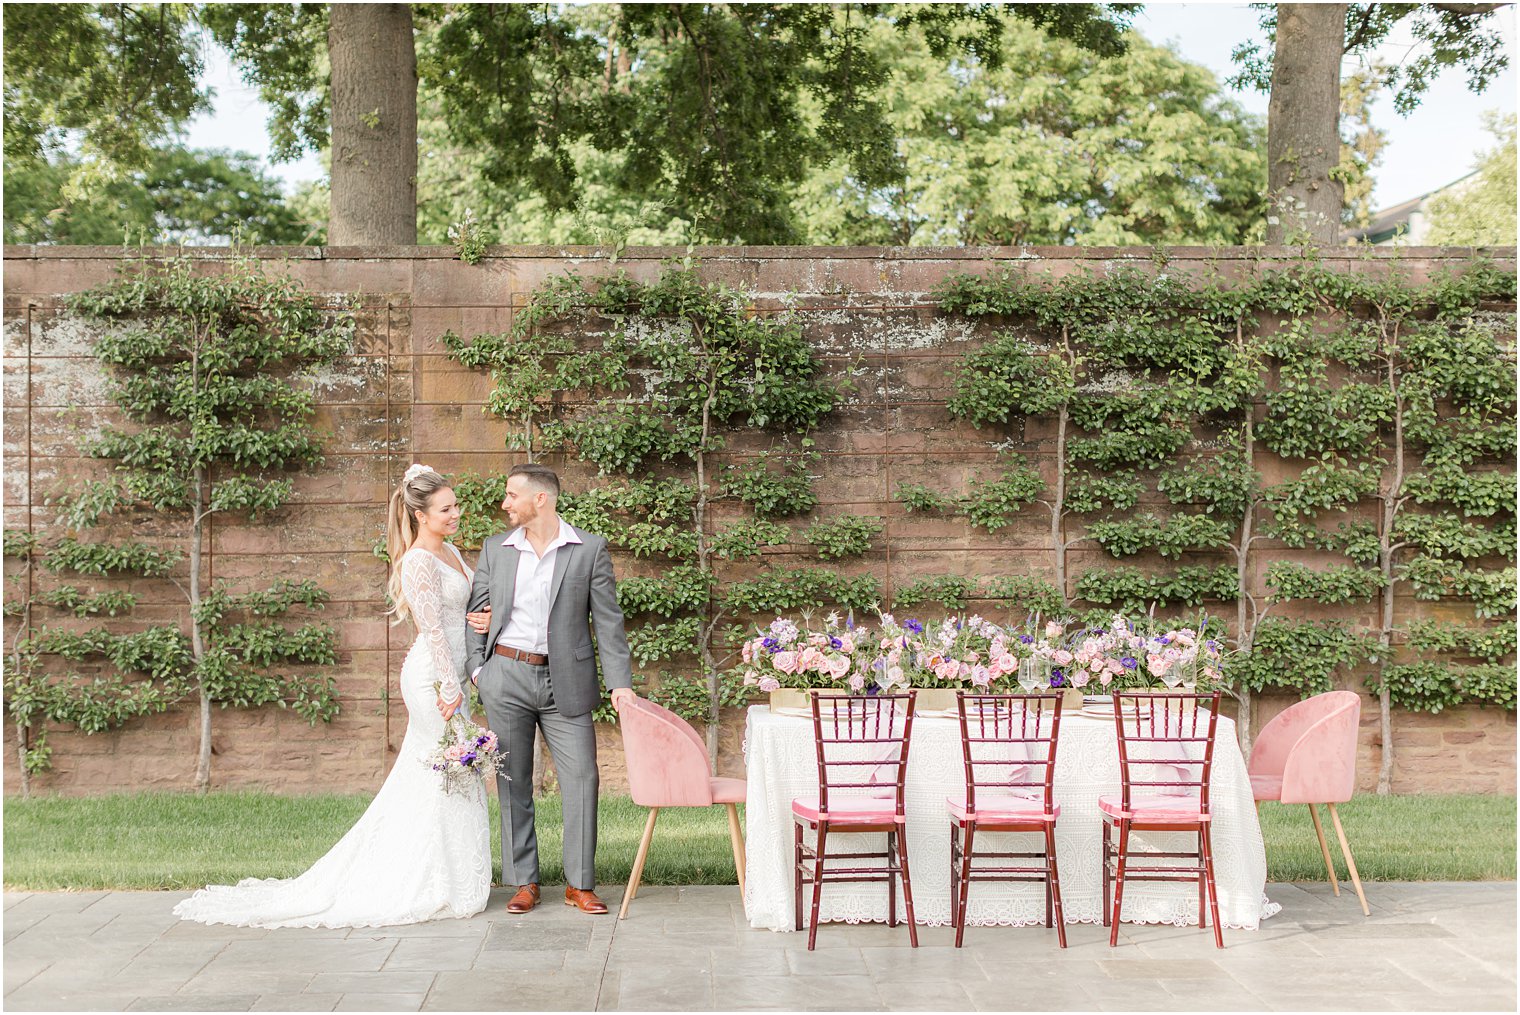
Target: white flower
(416,470)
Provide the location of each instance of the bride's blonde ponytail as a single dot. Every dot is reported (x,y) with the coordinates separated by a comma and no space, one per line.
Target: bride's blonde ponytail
(412,495)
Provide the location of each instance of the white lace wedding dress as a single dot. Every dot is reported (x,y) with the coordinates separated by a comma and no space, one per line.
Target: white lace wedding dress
(417,853)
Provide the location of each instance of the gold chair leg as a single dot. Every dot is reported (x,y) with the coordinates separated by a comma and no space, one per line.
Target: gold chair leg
(1324,848)
(1356,880)
(736,837)
(638,863)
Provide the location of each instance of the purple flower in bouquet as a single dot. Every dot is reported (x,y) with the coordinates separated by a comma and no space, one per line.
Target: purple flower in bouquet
(1057,678)
(1026,639)
(1129,662)
(914,626)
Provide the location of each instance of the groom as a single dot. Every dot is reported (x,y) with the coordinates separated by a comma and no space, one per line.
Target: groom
(546,583)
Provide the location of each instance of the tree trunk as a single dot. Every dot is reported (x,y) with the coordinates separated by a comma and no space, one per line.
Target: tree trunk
(374,125)
(1386,551)
(1303,120)
(1245,629)
(23,741)
(197,643)
(704,562)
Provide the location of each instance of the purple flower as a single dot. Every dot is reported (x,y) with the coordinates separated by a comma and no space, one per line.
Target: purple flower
(914,626)
(772,644)
(1026,639)
(1213,646)
(1166,641)
(1057,678)
(835,643)
(1129,662)
(849,622)
(468,759)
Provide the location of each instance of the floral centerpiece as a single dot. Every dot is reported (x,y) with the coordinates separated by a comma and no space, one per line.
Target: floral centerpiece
(784,656)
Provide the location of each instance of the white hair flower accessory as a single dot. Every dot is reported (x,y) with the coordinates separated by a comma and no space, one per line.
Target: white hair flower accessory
(416,470)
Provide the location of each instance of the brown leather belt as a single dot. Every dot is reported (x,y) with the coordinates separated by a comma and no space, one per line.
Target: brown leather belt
(531,658)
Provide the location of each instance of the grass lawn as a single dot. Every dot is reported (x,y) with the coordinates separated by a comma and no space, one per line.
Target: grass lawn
(178,841)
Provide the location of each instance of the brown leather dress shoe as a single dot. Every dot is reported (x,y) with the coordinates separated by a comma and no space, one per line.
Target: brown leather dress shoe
(525,899)
(584,900)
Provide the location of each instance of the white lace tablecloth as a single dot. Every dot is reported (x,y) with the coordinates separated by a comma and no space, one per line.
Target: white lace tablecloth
(782,765)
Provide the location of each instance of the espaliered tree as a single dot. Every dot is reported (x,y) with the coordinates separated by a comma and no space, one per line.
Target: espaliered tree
(207,370)
(706,366)
(1346,378)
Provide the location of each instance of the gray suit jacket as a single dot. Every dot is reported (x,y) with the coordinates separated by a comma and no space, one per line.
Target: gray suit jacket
(582,592)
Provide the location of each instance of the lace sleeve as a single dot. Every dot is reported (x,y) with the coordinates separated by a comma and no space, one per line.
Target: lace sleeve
(422,585)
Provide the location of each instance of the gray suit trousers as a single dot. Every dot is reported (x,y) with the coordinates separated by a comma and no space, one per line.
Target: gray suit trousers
(519,700)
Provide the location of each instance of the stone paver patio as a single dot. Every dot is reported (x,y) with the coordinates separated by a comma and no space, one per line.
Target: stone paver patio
(1425,947)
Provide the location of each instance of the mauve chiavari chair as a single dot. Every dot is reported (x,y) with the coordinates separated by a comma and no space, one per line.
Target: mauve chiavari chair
(1166,758)
(862,744)
(1008,745)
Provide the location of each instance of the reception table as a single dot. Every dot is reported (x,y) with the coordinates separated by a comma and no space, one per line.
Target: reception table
(782,764)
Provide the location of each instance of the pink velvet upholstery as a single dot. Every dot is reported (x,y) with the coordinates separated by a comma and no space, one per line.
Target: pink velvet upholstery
(994,808)
(667,761)
(1154,810)
(668,766)
(1307,754)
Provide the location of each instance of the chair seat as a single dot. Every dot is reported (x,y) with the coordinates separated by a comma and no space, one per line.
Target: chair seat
(727,791)
(1003,807)
(1266,787)
(846,810)
(1158,809)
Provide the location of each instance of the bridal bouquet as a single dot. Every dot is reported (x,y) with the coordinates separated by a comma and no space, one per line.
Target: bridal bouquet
(465,754)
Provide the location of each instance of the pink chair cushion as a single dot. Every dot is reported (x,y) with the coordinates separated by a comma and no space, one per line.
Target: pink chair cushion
(1003,807)
(1266,787)
(1178,809)
(844,810)
(727,791)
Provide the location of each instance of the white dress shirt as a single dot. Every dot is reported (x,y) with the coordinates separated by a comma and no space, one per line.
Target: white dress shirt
(527,629)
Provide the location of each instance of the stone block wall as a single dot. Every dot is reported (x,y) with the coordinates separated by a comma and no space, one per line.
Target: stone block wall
(400,399)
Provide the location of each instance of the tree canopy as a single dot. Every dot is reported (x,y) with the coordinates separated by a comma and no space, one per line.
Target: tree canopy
(1483,212)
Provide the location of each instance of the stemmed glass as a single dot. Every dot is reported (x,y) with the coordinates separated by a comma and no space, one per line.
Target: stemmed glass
(1029,674)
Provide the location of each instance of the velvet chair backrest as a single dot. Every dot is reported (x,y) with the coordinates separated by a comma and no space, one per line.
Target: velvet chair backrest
(1312,746)
(666,759)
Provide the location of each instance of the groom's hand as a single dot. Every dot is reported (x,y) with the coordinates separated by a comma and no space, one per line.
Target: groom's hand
(479,622)
(621,695)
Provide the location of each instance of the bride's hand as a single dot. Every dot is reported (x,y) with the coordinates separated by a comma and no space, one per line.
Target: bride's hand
(447,709)
(480,622)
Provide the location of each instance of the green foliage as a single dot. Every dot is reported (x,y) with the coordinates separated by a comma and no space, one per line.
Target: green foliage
(655,642)
(1434,687)
(1221,484)
(1491,644)
(623,437)
(469,242)
(688,697)
(72,555)
(778,589)
(68,597)
(1481,214)
(1129,589)
(843,535)
(1170,537)
(1087,492)
(953,591)
(1447,535)
(1483,494)
(1304,656)
(1337,584)
(1492,592)
(677,590)
(1032,595)
(745,539)
(992,504)
(1005,376)
(918,497)
(773,495)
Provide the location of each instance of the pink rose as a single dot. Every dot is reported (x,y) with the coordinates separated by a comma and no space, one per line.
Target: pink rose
(947,670)
(454,753)
(839,666)
(857,681)
(1061,657)
(768,684)
(1106,678)
(1080,678)
(846,644)
(748,653)
(786,662)
(751,678)
(981,676)
(818,640)
(1007,662)
(1054,630)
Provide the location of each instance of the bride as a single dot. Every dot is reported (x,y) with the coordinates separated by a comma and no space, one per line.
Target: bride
(418,853)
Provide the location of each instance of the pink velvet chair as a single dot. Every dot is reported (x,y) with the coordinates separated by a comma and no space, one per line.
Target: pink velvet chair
(1307,755)
(668,766)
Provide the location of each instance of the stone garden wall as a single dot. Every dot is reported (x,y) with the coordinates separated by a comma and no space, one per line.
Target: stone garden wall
(399,398)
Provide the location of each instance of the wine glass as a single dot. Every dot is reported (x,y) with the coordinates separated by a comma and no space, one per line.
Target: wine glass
(1029,675)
